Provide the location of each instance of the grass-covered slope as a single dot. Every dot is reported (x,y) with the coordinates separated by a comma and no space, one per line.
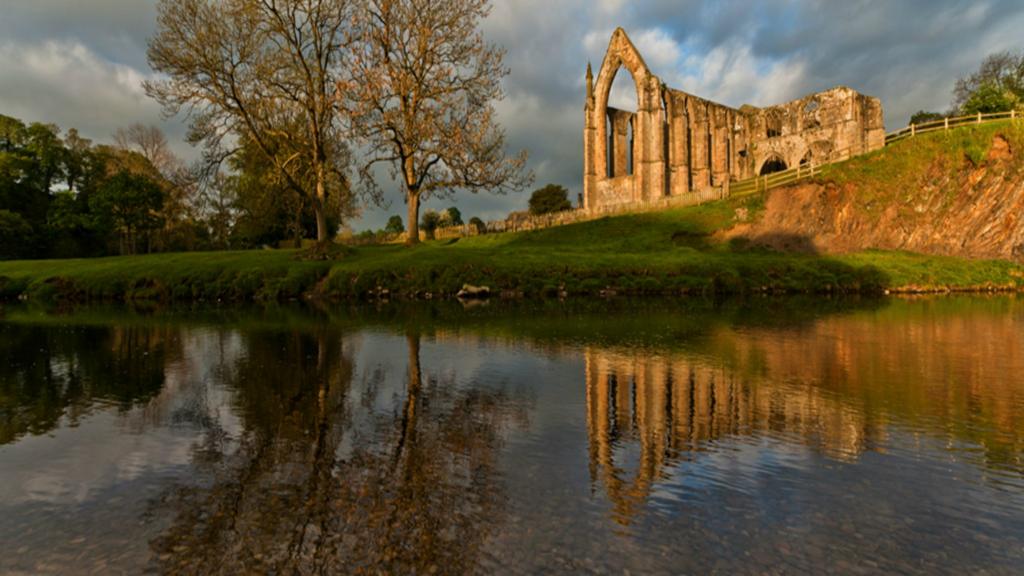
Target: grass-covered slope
(669,252)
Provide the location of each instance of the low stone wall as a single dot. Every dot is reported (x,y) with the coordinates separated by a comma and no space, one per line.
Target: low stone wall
(522,223)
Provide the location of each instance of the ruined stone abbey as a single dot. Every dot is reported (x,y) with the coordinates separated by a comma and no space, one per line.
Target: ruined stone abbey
(677,143)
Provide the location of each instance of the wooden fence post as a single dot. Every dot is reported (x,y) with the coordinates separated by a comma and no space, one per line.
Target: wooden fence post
(945,122)
(979,117)
(913,130)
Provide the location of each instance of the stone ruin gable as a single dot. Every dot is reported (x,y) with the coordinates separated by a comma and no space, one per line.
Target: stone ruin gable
(683,143)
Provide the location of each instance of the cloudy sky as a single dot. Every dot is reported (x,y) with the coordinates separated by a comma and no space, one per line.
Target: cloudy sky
(80,63)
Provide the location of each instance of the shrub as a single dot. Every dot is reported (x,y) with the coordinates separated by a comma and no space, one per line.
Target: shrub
(923,117)
(429,222)
(478,225)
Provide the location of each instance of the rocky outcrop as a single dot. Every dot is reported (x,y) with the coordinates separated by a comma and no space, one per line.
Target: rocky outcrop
(469,291)
(945,204)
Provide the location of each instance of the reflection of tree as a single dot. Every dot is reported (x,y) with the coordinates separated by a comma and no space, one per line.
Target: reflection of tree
(47,373)
(317,482)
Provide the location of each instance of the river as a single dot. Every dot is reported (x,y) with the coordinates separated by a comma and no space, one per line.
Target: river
(756,436)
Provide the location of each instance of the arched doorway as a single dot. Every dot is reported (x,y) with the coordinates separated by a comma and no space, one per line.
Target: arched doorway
(772,165)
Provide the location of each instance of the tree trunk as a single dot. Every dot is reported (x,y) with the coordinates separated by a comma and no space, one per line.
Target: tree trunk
(319,208)
(407,434)
(413,235)
(321,222)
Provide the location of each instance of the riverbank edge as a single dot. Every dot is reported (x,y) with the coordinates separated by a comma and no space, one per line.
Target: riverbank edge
(277,276)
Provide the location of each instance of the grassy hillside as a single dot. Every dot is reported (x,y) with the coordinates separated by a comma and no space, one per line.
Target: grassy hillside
(663,253)
(670,252)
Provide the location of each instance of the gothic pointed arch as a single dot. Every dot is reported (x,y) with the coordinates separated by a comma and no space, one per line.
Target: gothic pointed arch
(622,54)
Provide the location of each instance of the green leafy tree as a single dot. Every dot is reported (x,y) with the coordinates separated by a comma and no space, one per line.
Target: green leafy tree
(75,230)
(48,153)
(996,86)
(551,198)
(15,236)
(429,222)
(452,217)
(269,209)
(31,162)
(71,228)
(77,159)
(394,225)
(128,205)
(989,98)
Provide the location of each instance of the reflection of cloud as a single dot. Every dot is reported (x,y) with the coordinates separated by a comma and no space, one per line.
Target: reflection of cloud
(107,447)
(72,464)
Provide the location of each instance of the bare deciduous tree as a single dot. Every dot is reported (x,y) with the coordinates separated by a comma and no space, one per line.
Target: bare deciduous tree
(419,93)
(264,70)
(151,143)
(180,183)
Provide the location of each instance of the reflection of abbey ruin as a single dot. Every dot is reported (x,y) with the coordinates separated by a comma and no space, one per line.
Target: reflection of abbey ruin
(840,386)
(677,143)
(672,407)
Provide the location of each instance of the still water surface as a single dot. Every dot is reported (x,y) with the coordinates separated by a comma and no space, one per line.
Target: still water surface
(756,437)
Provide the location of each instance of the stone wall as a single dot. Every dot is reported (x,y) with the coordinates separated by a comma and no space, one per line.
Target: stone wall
(521,221)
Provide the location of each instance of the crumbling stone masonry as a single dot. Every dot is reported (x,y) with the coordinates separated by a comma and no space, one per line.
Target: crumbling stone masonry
(683,143)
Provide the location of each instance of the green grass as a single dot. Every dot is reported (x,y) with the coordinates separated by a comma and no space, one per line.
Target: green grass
(248,275)
(671,252)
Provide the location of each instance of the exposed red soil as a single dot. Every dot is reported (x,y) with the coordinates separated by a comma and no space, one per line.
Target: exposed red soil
(974,211)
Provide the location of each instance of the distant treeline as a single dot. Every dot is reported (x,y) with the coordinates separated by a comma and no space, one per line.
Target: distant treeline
(63,196)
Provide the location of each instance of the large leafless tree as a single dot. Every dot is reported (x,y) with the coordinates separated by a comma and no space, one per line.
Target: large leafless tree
(266,71)
(151,143)
(419,92)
